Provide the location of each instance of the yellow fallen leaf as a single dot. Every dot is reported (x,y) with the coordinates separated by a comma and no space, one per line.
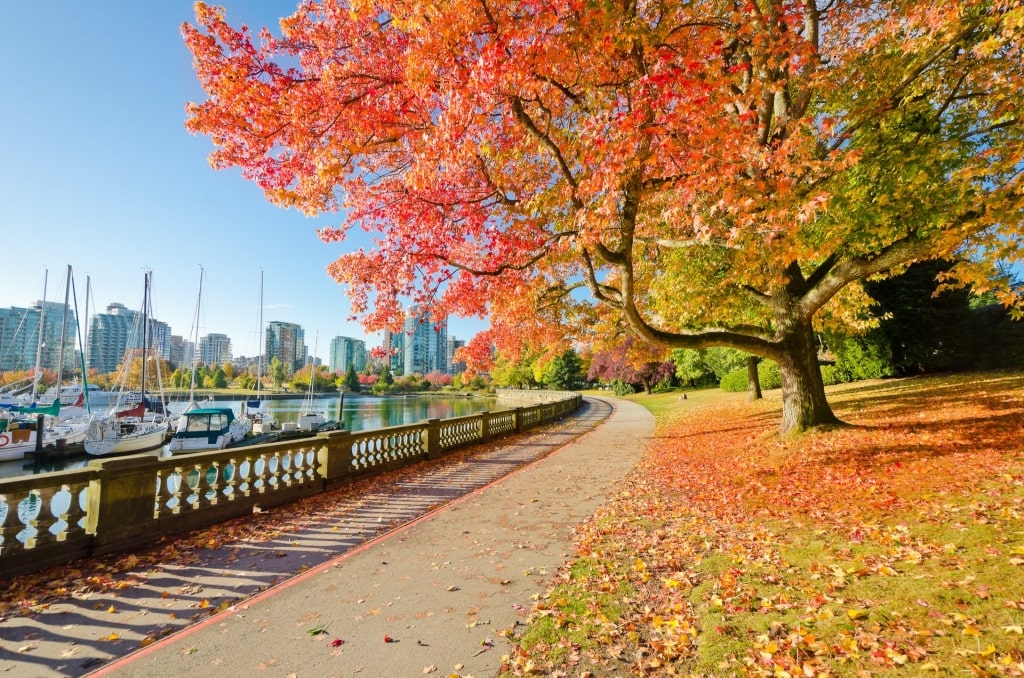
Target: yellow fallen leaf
(857,614)
(148,640)
(1019,630)
(971,630)
(205,604)
(112,636)
(111,609)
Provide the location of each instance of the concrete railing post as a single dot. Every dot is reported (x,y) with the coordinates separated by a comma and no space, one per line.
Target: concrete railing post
(432,443)
(485,426)
(335,457)
(121,502)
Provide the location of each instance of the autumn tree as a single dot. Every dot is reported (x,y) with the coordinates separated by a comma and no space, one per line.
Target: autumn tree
(519,373)
(710,173)
(633,362)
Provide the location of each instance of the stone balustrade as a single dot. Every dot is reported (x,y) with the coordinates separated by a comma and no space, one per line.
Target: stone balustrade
(120,503)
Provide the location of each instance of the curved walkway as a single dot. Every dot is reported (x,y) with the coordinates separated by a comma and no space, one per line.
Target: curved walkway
(433,592)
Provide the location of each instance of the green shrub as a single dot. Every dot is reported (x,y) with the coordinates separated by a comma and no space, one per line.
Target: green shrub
(831,376)
(767,372)
(864,357)
(621,388)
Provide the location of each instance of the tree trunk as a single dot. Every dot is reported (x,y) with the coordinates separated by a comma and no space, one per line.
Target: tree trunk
(804,404)
(753,378)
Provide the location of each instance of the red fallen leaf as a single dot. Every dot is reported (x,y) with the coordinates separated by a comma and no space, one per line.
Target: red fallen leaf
(388,639)
(338,642)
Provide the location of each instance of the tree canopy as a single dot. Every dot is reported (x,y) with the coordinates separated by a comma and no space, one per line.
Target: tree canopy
(708,173)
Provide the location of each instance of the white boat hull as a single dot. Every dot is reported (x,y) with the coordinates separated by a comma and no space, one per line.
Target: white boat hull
(113,439)
(232,435)
(310,421)
(17,443)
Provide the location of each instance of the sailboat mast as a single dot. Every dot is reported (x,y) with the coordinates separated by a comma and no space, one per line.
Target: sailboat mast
(145,332)
(84,340)
(63,333)
(81,341)
(195,342)
(263,343)
(39,344)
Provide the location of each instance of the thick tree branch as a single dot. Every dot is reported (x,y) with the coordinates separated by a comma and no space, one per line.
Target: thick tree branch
(526,121)
(845,272)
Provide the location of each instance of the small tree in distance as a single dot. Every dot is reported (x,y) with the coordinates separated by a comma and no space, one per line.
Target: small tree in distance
(351,382)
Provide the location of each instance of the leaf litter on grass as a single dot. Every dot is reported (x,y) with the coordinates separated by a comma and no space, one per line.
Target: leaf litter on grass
(888,547)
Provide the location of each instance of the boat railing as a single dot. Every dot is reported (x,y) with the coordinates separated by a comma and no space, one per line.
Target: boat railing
(119,503)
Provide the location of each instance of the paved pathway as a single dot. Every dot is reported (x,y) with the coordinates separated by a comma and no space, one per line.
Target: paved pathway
(440,588)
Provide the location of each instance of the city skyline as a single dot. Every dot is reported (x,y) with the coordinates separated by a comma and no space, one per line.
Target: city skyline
(422,348)
(105,177)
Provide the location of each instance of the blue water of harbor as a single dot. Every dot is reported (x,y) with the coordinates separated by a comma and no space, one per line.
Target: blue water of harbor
(359,413)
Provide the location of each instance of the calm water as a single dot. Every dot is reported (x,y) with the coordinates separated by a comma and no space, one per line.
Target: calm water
(360,413)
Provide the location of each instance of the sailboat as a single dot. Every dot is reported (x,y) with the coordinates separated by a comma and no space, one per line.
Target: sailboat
(204,428)
(20,435)
(310,419)
(261,421)
(134,429)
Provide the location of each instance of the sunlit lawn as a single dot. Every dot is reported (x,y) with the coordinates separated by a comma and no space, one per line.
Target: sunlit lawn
(894,546)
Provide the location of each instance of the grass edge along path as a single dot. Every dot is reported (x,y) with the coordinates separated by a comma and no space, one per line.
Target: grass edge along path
(892,547)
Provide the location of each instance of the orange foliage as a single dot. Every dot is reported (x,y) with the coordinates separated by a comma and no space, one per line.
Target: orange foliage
(926,456)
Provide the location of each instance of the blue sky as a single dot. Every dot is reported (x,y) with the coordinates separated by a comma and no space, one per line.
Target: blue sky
(100,173)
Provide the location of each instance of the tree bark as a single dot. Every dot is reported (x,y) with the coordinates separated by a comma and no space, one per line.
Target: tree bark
(804,404)
(753,378)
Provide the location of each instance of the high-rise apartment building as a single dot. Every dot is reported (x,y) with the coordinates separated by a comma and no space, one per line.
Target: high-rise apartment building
(425,341)
(286,342)
(19,337)
(112,333)
(159,341)
(215,349)
(347,351)
(177,355)
(452,367)
(394,351)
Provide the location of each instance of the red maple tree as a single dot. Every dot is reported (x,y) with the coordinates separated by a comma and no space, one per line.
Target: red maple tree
(710,173)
